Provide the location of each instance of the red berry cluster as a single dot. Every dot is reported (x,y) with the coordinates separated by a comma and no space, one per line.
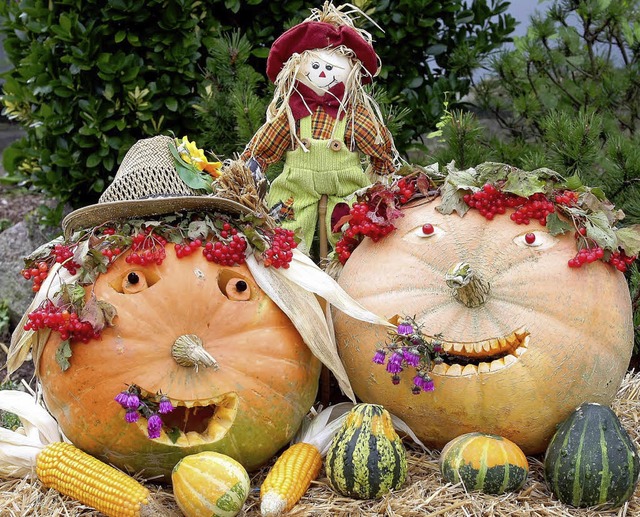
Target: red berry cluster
(147,248)
(621,261)
(187,248)
(490,201)
(226,252)
(406,190)
(63,255)
(586,256)
(566,197)
(535,207)
(111,253)
(360,225)
(37,274)
(62,320)
(280,253)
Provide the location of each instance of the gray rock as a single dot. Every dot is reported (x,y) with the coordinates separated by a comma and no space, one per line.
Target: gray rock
(17,242)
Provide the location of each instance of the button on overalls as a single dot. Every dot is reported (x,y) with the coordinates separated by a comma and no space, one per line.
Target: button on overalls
(328,167)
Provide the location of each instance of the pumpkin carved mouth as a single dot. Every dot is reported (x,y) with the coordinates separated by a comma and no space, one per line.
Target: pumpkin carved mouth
(490,355)
(195,422)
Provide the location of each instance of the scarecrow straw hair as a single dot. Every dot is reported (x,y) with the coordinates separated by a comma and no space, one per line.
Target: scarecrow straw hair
(425,494)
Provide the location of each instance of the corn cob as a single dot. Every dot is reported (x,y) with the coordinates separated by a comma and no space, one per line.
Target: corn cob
(76,474)
(289,478)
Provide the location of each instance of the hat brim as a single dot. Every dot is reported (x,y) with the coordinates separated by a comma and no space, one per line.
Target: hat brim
(95,215)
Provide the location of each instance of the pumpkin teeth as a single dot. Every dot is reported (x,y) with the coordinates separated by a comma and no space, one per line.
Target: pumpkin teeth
(220,415)
(490,355)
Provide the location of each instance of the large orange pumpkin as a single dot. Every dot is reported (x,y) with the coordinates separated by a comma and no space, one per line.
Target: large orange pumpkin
(247,404)
(528,339)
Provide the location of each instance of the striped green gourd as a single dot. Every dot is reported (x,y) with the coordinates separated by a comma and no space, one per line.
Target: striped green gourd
(591,460)
(484,462)
(366,458)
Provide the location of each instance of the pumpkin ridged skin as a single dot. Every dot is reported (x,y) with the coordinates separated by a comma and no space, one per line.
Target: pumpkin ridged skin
(260,354)
(591,460)
(209,484)
(484,462)
(579,320)
(367,458)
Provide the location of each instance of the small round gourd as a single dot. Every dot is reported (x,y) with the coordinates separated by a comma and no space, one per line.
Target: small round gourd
(484,462)
(366,459)
(210,484)
(591,460)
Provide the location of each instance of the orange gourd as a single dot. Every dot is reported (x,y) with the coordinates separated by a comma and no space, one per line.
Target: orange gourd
(203,335)
(528,339)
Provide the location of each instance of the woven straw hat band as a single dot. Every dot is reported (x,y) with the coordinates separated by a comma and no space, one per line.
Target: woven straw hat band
(148,170)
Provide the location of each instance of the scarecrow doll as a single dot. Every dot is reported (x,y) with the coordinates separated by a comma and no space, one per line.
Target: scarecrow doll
(321,121)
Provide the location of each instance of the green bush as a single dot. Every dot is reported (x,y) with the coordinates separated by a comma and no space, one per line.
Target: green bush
(90,78)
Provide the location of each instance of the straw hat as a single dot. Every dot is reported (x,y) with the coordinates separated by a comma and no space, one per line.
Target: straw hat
(147,184)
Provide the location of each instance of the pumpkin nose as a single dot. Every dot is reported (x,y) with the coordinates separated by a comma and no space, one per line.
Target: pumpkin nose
(188,351)
(469,288)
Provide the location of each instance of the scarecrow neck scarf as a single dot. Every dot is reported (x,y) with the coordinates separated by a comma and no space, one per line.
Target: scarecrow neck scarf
(304,101)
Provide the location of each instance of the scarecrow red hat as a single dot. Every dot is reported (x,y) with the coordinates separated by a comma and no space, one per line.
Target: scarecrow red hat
(320,35)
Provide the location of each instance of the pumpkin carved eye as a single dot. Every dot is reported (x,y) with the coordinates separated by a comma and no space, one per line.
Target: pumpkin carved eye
(537,239)
(234,286)
(134,281)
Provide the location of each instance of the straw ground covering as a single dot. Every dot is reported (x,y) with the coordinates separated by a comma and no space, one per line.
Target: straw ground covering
(424,494)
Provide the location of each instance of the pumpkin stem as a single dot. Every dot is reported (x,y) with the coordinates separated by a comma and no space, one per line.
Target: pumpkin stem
(469,288)
(188,351)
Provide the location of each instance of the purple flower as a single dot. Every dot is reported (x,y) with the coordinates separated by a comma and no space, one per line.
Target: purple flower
(131,416)
(416,390)
(395,379)
(411,357)
(154,426)
(428,385)
(165,406)
(127,400)
(396,358)
(437,347)
(404,329)
(379,357)
(393,367)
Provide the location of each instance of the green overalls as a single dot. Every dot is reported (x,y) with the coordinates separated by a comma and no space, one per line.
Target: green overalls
(328,167)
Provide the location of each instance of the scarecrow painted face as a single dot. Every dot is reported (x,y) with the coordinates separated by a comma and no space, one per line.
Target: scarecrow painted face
(322,69)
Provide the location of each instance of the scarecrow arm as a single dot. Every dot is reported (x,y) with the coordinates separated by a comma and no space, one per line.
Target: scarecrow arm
(374,140)
(269,143)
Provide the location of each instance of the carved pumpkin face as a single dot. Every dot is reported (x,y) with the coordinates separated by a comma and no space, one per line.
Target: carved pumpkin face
(527,340)
(247,405)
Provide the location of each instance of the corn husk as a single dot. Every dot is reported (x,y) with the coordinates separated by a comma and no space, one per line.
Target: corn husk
(19,448)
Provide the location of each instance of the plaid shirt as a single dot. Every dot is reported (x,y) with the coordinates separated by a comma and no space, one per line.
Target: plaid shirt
(271,143)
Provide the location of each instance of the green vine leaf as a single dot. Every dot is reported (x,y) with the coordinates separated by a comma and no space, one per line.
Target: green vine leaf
(523,184)
(599,229)
(193,177)
(557,226)
(63,354)
(629,239)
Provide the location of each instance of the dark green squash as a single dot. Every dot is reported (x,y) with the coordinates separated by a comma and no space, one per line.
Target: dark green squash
(484,462)
(591,460)
(366,458)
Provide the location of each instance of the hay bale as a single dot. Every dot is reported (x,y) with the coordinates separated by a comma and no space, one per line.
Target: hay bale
(424,494)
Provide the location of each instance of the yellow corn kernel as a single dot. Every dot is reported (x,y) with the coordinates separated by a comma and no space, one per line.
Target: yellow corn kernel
(289,479)
(77,474)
